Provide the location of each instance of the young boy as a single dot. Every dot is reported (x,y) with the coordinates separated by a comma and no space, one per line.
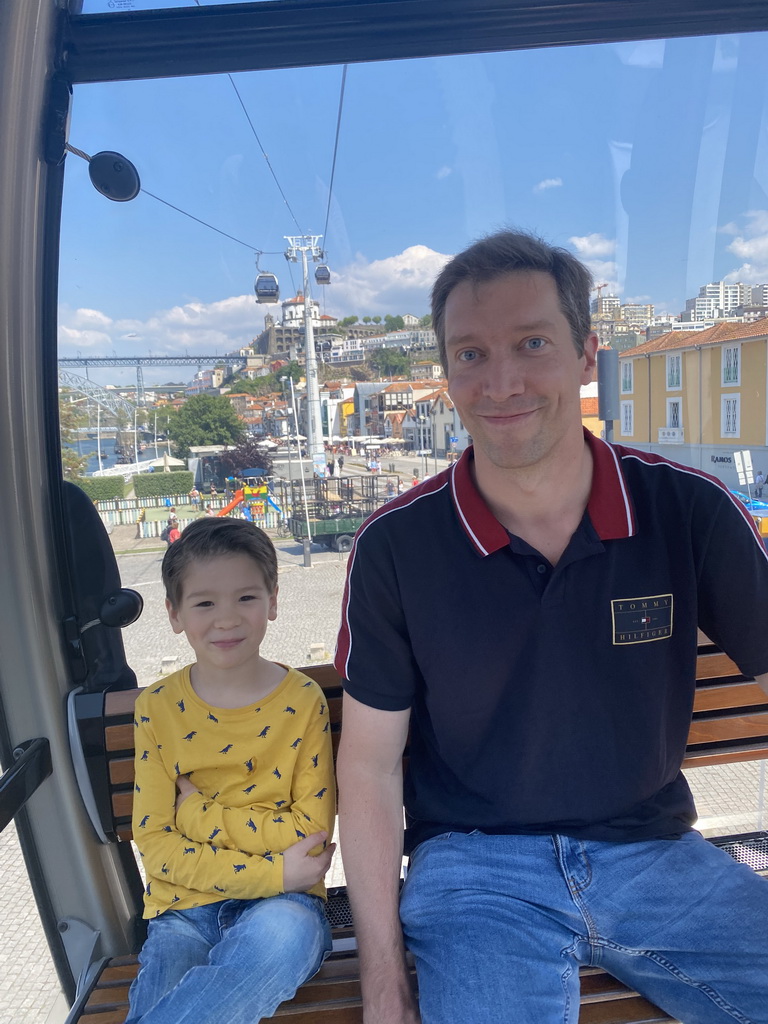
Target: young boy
(234,797)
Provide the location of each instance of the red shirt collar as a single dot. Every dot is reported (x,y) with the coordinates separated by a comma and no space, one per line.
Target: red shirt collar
(610,505)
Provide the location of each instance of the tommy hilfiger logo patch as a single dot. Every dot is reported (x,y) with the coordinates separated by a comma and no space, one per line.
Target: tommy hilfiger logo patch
(638,620)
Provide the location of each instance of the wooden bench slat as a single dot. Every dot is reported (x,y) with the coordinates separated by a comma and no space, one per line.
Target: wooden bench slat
(119,737)
(121,771)
(629,1011)
(732,727)
(704,758)
(712,664)
(732,695)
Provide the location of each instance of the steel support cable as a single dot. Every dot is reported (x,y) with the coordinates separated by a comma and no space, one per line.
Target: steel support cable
(253,248)
(335,150)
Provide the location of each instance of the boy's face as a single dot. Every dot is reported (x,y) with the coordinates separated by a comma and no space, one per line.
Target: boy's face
(224,610)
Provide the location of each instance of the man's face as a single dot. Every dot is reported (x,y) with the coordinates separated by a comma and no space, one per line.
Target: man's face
(513,371)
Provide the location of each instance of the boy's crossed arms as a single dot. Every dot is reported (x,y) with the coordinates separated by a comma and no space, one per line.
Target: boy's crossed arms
(193,843)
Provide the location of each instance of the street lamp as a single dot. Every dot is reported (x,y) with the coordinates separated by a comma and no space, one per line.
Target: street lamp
(422,448)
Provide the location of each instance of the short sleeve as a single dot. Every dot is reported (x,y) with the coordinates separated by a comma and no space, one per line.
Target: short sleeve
(733,587)
(373,654)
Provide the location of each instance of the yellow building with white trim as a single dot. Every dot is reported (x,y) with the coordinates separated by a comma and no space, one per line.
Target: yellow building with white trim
(697,396)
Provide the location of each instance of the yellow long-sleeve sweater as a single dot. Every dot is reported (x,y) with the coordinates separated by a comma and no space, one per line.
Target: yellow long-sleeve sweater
(265,775)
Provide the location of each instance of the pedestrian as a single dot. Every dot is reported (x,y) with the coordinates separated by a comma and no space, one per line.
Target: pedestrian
(330,467)
(533,621)
(759,483)
(194,497)
(341,463)
(234,890)
(214,492)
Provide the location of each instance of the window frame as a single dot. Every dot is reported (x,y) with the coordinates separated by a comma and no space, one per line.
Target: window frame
(730,347)
(735,397)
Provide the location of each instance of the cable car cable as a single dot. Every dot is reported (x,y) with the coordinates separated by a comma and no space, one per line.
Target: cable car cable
(335,150)
(263,153)
(258,140)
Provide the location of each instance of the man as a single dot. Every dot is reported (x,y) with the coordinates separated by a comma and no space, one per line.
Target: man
(531,613)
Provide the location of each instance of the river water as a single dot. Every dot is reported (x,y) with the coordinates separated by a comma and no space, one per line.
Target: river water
(88,446)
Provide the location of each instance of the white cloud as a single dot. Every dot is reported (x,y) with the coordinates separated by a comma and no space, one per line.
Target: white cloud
(548,183)
(443,173)
(751,246)
(396,284)
(592,246)
(592,250)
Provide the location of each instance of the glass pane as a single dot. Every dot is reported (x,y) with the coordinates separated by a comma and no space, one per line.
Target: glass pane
(648,160)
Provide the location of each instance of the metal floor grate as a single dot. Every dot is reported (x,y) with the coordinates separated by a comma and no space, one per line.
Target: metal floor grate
(751,850)
(337,909)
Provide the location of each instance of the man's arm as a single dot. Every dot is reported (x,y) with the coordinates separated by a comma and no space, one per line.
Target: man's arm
(370,774)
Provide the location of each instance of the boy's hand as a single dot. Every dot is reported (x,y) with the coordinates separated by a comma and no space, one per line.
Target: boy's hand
(300,870)
(185,788)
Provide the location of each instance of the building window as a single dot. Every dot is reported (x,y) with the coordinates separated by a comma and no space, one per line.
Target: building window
(674,371)
(730,415)
(627,419)
(627,376)
(674,413)
(731,364)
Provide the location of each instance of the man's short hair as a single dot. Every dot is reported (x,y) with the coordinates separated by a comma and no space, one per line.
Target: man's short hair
(212,537)
(511,252)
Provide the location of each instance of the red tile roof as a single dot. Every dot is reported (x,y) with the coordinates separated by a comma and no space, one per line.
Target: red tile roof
(712,336)
(589,407)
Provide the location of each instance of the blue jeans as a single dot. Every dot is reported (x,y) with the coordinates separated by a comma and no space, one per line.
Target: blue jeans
(499,926)
(231,962)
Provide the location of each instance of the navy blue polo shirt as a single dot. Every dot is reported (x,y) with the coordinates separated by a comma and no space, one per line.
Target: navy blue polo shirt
(552,699)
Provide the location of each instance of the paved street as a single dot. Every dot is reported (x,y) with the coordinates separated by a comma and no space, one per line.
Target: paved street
(731,798)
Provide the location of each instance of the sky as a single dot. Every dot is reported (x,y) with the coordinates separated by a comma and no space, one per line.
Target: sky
(649,160)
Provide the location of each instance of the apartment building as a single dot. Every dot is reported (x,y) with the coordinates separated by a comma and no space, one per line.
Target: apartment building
(697,396)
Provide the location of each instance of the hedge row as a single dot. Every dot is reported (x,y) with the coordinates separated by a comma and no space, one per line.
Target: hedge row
(153,485)
(102,488)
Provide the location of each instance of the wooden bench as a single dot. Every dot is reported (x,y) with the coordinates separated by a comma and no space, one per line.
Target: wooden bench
(730,724)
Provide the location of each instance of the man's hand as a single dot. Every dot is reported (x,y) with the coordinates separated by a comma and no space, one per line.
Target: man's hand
(185,788)
(300,870)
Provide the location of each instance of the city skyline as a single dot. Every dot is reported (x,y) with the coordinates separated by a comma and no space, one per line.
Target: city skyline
(646,159)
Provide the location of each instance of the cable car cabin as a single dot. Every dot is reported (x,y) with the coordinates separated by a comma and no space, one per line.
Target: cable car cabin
(61,597)
(267,288)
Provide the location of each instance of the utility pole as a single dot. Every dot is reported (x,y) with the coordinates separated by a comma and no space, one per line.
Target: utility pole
(304,246)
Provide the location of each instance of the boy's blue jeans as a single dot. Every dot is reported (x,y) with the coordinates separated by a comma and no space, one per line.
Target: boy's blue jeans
(499,926)
(231,962)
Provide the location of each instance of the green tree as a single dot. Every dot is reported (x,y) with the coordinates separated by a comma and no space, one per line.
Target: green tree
(204,419)
(359,373)
(292,370)
(426,321)
(246,455)
(71,417)
(393,323)
(376,319)
(366,319)
(389,362)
